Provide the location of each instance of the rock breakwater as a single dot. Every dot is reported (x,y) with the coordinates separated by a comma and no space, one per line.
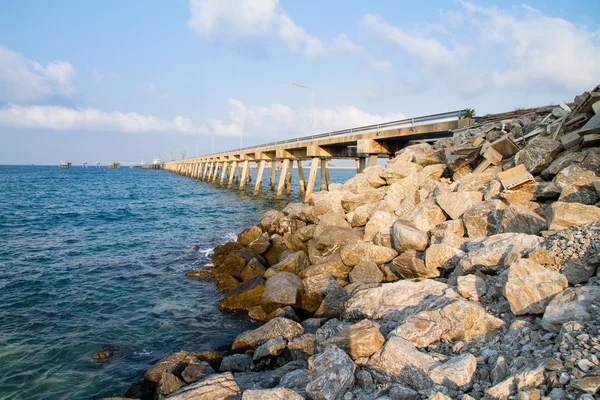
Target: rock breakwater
(465,269)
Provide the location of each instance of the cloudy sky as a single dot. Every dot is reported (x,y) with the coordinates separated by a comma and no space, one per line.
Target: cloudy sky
(137,79)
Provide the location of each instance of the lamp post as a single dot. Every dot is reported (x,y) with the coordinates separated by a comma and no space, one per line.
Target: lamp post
(313,104)
(241,135)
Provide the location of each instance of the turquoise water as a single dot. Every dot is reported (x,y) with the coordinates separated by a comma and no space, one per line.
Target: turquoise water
(93,258)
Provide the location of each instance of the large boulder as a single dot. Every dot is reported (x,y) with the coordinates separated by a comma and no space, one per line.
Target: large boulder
(331,218)
(366,272)
(249,235)
(484,219)
(244,296)
(331,375)
(334,238)
(538,154)
(398,169)
(406,236)
(458,320)
(173,363)
(235,262)
(237,363)
(215,387)
(561,215)
(530,287)
(378,221)
(471,287)
(410,266)
(426,215)
(282,289)
(361,214)
(350,201)
(283,327)
(294,262)
(519,218)
(355,253)
(456,203)
(315,288)
(572,304)
(331,265)
(458,157)
(441,255)
(359,340)
(397,300)
(299,211)
(456,374)
(271,394)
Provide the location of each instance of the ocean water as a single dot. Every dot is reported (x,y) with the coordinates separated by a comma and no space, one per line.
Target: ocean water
(96,258)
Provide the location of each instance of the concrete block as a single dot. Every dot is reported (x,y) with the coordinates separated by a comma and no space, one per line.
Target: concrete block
(591,127)
(505,146)
(370,146)
(570,140)
(479,141)
(592,140)
(515,177)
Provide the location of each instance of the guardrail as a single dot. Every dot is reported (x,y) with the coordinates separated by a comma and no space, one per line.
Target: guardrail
(403,123)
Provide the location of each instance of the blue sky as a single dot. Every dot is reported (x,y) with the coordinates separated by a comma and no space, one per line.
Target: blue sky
(131,80)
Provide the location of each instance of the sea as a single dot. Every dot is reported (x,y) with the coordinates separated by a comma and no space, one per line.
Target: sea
(95,259)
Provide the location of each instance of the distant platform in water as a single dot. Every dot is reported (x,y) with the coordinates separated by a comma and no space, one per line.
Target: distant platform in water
(64,164)
(114,165)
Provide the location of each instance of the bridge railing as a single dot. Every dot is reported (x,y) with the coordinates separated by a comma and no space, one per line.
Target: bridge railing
(402,123)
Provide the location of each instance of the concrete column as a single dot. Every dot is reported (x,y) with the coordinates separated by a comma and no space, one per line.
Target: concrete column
(288,179)
(373,159)
(282,177)
(232,173)
(243,175)
(223,173)
(272,174)
(205,170)
(210,171)
(301,177)
(216,173)
(324,174)
(360,164)
(259,175)
(312,177)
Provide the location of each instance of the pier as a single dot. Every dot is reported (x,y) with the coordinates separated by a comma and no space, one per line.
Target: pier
(364,144)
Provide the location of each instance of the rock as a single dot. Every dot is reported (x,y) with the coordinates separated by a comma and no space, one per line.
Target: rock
(572,304)
(249,235)
(225,282)
(282,289)
(271,348)
(350,201)
(456,203)
(526,377)
(471,287)
(530,287)
(406,236)
(173,363)
(235,262)
(426,215)
(457,157)
(561,215)
(284,312)
(302,347)
(271,394)
(410,266)
(168,384)
(589,384)
(398,392)
(332,374)
(366,272)
(538,154)
(440,255)
(378,221)
(519,218)
(202,274)
(439,396)
(361,214)
(484,219)
(454,227)
(253,269)
(296,380)
(306,233)
(354,253)
(314,289)
(294,263)
(244,296)
(196,371)
(457,320)
(397,300)
(330,265)
(359,340)
(266,379)
(328,219)
(334,238)
(397,170)
(215,387)
(237,363)
(268,219)
(299,211)
(457,373)
(333,304)
(276,327)
(498,251)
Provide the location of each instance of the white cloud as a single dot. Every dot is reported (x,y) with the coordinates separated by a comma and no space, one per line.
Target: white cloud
(230,20)
(538,48)
(24,80)
(342,44)
(429,51)
(59,118)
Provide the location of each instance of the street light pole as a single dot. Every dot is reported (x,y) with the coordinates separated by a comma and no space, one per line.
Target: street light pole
(313,104)
(241,135)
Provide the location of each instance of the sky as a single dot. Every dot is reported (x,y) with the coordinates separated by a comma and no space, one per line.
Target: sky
(133,80)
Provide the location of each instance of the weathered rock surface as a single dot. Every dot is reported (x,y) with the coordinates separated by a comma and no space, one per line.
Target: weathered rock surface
(215,387)
(355,253)
(561,215)
(572,304)
(538,154)
(276,327)
(359,340)
(406,236)
(331,375)
(271,394)
(410,266)
(484,219)
(456,203)
(244,296)
(282,289)
(426,215)
(366,272)
(530,287)
(471,287)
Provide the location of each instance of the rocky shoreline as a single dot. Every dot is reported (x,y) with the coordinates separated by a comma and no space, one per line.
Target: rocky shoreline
(464,269)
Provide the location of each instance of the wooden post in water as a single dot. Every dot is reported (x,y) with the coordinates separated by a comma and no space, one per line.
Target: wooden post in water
(282,177)
(312,177)
(288,179)
(272,174)
(243,175)
(324,183)
(301,177)
(232,173)
(259,175)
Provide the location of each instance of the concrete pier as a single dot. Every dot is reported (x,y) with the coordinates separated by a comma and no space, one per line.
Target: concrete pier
(364,144)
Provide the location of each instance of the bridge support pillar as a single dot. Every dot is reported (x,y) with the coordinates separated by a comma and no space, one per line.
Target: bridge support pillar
(360,164)
(272,175)
(213,178)
(208,172)
(244,175)
(223,173)
(232,173)
(373,159)
(282,177)
(324,174)
(312,177)
(288,179)
(259,175)
(301,182)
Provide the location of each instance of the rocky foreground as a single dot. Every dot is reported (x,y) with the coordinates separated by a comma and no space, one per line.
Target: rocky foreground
(466,269)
